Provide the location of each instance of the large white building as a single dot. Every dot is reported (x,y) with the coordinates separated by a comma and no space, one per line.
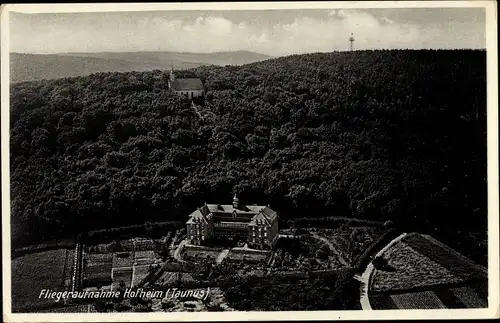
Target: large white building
(256,224)
(186,87)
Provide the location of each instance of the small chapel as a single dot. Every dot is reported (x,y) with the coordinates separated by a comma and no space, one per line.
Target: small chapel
(186,87)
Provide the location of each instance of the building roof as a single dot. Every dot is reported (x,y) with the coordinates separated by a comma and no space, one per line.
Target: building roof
(261,214)
(200,215)
(187,84)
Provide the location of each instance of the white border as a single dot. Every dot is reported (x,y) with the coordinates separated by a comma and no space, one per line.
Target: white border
(492,128)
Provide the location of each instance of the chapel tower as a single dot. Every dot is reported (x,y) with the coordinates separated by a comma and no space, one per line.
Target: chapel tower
(172,75)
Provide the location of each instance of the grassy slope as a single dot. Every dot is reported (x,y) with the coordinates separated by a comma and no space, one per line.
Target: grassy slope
(34,272)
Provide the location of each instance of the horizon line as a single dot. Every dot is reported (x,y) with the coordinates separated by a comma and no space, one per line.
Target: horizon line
(250,51)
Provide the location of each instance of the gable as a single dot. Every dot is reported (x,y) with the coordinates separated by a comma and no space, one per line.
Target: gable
(260,219)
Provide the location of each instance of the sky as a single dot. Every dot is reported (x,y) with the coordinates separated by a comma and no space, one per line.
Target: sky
(272,32)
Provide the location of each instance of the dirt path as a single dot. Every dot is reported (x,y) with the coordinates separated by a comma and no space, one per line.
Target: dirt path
(221,256)
(204,113)
(332,248)
(177,252)
(365,277)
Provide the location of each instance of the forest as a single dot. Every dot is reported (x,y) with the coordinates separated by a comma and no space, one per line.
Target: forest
(394,135)
(332,291)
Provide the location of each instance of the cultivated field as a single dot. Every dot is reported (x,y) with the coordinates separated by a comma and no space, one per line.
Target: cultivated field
(455,297)
(143,244)
(100,265)
(97,269)
(469,297)
(446,257)
(140,272)
(409,269)
(248,256)
(144,257)
(123,259)
(33,272)
(418,300)
(170,277)
(195,253)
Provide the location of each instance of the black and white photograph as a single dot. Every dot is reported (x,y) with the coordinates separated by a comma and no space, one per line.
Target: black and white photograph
(257,160)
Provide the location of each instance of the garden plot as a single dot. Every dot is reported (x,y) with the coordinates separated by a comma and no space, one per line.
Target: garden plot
(127,245)
(123,259)
(195,253)
(101,258)
(469,297)
(121,274)
(144,244)
(171,277)
(248,256)
(418,300)
(97,269)
(139,273)
(144,258)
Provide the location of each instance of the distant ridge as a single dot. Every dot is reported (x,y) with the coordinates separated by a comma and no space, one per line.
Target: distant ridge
(30,67)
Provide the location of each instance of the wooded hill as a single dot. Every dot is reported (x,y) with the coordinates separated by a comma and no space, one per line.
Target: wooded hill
(30,67)
(379,135)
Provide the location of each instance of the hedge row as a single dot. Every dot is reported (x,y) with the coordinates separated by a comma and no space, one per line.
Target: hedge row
(332,222)
(149,229)
(61,244)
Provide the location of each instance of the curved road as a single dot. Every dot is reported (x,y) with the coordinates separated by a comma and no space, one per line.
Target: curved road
(365,277)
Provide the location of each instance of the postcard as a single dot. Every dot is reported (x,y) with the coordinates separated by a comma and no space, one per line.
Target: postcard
(249,161)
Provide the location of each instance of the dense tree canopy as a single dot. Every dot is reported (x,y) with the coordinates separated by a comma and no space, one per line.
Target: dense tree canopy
(330,291)
(381,135)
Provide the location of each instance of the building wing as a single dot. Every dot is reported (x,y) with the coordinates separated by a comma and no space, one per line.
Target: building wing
(187,84)
(199,216)
(269,213)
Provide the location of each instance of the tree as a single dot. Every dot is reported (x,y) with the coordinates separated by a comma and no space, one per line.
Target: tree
(380,263)
(314,135)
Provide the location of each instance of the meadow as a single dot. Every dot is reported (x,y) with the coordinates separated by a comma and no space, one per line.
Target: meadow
(33,272)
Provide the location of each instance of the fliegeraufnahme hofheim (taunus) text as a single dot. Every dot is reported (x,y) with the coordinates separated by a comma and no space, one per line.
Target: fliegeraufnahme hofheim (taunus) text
(127,293)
